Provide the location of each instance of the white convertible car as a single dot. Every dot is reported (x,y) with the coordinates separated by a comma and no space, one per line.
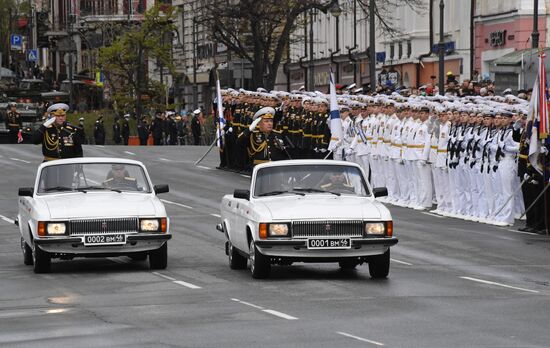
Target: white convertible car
(307,211)
(92,207)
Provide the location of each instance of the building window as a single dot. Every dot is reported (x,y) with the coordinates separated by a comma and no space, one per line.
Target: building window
(392,51)
(409,49)
(400,47)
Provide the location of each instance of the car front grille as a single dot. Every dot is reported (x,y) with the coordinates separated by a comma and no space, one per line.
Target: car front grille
(101,226)
(345,228)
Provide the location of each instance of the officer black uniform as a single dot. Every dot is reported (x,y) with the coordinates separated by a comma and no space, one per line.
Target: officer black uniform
(143,131)
(59,139)
(125,129)
(82,131)
(99,131)
(118,179)
(116,132)
(13,123)
(263,146)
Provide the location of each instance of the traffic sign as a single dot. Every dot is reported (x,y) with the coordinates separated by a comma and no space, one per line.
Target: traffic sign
(32,55)
(16,42)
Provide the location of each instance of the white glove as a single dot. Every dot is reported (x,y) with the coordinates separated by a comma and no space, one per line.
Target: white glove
(422,162)
(334,144)
(544,150)
(526,176)
(230,130)
(254,124)
(49,122)
(348,151)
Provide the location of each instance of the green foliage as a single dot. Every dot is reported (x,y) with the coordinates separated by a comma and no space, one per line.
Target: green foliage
(124,62)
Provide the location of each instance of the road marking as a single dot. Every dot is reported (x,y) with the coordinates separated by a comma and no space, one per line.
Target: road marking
(178,204)
(164,159)
(401,262)
(56,311)
(380,344)
(203,167)
(245,176)
(522,232)
(130,153)
(279,314)
(187,285)
(7,219)
(164,276)
(19,160)
(498,284)
(247,303)
(431,214)
(216,215)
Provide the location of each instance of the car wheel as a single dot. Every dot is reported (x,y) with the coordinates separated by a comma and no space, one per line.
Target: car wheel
(347,265)
(236,260)
(379,266)
(139,257)
(27,252)
(259,264)
(158,259)
(42,260)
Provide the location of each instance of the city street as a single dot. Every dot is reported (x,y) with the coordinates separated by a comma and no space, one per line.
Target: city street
(452,283)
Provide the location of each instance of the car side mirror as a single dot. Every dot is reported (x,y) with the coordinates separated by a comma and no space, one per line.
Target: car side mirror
(380,191)
(26,191)
(161,189)
(242,194)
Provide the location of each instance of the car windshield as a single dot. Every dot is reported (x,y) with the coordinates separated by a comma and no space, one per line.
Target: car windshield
(85,177)
(310,179)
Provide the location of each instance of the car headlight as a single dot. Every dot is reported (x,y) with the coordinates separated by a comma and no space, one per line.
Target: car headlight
(56,228)
(278,230)
(149,225)
(375,228)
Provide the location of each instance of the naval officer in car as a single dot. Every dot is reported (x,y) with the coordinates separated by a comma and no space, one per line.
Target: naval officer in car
(118,178)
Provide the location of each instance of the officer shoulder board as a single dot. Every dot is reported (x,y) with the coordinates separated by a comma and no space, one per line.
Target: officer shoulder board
(129,178)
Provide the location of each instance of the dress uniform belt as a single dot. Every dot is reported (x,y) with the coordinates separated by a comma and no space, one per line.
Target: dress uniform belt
(48,158)
(441,150)
(434,147)
(523,156)
(396,145)
(306,135)
(13,124)
(256,161)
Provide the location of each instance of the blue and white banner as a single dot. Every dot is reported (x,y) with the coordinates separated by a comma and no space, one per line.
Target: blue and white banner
(221,119)
(336,132)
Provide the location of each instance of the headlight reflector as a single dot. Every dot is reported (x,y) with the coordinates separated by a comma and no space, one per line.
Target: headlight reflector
(278,230)
(375,228)
(56,228)
(149,225)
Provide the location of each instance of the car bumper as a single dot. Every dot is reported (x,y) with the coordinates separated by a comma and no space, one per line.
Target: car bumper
(75,244)
(297,249)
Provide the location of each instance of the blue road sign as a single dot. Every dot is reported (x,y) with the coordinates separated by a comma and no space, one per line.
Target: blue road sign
(32,55)
(16,41)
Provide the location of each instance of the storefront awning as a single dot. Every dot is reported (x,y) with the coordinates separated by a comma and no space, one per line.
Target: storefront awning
(516,57)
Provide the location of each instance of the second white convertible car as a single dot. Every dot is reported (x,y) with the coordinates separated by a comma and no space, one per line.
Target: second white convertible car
(92,207)
(307,211)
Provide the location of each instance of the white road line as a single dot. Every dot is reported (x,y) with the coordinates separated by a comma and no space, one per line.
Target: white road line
(164,276)
(247,303)
(178,204)
(245,176)
(522,232)
(187,285)
(203,167)
(19,160)
(216,215)
(130,153)
(401,262)
(380,344)
(7,219)
(164,159)
(437,216)
(498,284)
(279,314)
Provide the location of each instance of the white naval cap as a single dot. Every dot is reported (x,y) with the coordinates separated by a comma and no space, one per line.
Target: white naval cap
(197,111)
(265,112)
(58,106)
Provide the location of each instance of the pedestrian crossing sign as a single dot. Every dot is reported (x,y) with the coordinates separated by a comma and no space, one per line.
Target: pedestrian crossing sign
(32,55)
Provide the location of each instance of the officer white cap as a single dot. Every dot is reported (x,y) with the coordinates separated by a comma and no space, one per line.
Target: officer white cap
(266,112)
(350,87)
(58,109)
(126,115)
(197,111)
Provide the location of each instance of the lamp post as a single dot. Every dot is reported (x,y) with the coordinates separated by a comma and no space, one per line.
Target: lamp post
(535,33)
(195,87)
(372,48)
(441,47)
(311,68)
(336,11)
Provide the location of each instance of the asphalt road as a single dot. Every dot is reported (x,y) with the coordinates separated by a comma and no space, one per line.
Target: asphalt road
(452,283)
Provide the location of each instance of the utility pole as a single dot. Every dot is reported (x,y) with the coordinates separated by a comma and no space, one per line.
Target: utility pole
(311,69)
(441,47)
(195,87)
(70,19)
(535,34)
(372,48)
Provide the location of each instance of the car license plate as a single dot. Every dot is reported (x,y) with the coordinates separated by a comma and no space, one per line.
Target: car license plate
(105,239)
(329,243)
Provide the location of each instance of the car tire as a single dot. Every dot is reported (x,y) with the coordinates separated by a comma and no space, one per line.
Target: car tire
(259,263)
(379,266)
(42,260)
(236,260)
(139,257)
(158,259)
(27,252)
(347,265)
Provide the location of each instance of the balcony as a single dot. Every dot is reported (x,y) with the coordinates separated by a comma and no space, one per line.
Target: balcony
(109,10)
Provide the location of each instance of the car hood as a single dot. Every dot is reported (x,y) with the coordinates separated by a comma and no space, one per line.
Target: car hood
(104,204)
(318,207)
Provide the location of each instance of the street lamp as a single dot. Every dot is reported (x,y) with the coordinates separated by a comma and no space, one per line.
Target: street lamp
(441,47)
(195,87)
(535,33)
(336,11)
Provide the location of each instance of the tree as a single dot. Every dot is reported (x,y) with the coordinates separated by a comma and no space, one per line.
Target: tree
(124,60)
(259,30)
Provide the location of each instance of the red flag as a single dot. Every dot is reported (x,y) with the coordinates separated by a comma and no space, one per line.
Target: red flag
(543,99)
(19,137)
